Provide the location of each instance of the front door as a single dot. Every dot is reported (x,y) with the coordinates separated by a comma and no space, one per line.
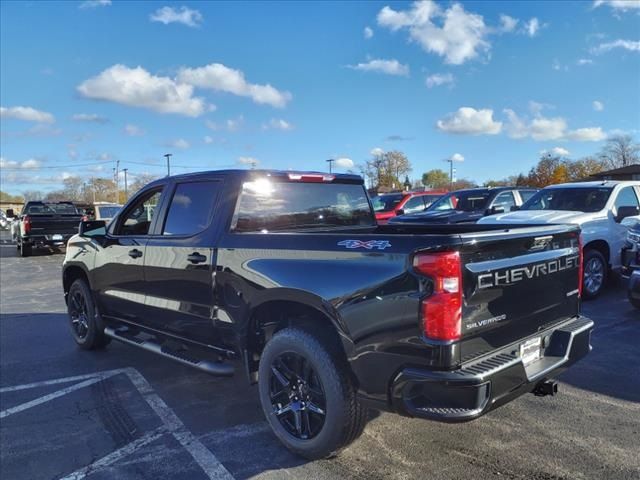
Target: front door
(180,264)
(119,269)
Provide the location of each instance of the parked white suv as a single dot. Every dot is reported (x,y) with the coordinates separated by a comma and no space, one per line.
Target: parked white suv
(598,208)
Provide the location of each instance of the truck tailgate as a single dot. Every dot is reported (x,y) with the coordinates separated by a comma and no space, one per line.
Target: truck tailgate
(42,224)
(516,283)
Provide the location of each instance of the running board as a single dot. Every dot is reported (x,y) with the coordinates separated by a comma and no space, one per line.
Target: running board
(214,368)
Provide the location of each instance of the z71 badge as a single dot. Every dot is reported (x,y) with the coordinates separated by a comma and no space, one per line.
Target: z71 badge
(369,245)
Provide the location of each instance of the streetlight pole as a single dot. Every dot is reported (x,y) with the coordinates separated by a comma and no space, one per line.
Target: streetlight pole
(330,161)
(126,187)
(117,180)
(168,156)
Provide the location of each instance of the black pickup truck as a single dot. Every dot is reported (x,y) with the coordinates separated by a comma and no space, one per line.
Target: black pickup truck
(44,224)
(287,278)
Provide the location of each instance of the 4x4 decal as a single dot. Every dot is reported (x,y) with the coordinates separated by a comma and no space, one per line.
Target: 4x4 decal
(370,244)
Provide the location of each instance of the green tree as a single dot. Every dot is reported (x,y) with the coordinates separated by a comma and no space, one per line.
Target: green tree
(436,179)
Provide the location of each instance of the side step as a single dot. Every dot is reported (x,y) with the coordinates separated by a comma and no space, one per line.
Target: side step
(214,368)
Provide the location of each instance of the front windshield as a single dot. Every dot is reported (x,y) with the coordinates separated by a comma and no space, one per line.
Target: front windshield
(569,199)
(463,201)
(386,203)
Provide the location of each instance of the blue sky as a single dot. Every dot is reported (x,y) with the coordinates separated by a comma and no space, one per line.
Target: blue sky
(289,85)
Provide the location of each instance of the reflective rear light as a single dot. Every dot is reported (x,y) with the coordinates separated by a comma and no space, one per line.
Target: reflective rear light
(580,265)
(311,177)
(442,310)
(26,221)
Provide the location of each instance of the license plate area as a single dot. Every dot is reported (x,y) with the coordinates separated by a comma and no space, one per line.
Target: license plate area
(531,350)
(57,236)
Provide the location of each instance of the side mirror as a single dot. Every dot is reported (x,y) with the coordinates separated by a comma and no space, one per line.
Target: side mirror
(93,228)
(624,212)
(10,213)
(514,208)
(400,212)
(495,210)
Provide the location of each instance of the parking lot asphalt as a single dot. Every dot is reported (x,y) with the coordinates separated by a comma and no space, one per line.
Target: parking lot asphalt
(125,413)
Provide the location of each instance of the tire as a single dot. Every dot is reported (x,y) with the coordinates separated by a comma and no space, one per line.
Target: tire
(343,418)
(25,250)
(595,274)
(85,322)
(634,301)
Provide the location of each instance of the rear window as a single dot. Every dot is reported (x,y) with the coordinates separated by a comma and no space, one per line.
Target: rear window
(574,199)
(386,203)
(468,201)
(53,208)
(282,206)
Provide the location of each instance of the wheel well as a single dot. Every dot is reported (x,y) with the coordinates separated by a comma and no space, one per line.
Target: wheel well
(70,275)
(271,317)
(602,247)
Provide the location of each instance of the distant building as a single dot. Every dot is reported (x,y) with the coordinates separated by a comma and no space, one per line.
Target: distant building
(630,172)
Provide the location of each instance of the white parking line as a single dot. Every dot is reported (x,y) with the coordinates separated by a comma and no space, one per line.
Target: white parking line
(172,424)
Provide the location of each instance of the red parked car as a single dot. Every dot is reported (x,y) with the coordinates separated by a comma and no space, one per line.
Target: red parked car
(388,205)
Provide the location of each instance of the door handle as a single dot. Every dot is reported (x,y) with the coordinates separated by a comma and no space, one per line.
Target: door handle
(195,257)
(135,253)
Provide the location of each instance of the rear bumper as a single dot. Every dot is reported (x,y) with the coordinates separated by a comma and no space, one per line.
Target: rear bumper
(484,384)
(48,240)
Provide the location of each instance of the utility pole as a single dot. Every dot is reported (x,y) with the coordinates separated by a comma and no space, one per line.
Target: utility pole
(117,177)
(454,158)
(168,156)
(93,188)
(330,161)
(126,187)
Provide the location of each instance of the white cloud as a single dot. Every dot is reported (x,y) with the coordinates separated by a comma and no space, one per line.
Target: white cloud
(28,114)
(94,4)
(367,32)
(221,78)
(184,15)
(179,143)
(469,121)
(598,106)
(252,161)
(135,87)
(532,27)
(456,157)
(277,124)
(632,46)
(622,5)
(207,139)
(376,152)
(133,130)
(390,67)
(590,134)
(461,36)
(438,79)
(89,117)
(507,23)
(12,164)
(345,163)
(542,128)
(556,151)
(584,61)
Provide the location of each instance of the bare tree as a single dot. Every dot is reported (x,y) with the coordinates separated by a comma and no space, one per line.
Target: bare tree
(30,195)
(620,151)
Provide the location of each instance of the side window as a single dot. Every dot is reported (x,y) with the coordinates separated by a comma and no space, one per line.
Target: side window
(627,198)
(137,219)
(504,200)
(526,194)
(191,208)
(414,204)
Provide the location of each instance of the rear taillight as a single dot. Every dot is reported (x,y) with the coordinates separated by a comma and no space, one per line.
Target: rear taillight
(442,310)
(26,222)
(580,266)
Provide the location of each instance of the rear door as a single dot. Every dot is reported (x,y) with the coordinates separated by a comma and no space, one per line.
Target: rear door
(180,263)
(118,276)
(517,282)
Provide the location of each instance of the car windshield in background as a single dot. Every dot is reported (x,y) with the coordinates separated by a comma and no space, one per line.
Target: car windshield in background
(280,206)
(54,208)
(463,201)
(569,199)
(386,203)
(108,212)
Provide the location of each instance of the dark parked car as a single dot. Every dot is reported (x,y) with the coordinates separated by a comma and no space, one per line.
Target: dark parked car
(286,278)
(468,206)
(631,263)
(44,224)
(388,205)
